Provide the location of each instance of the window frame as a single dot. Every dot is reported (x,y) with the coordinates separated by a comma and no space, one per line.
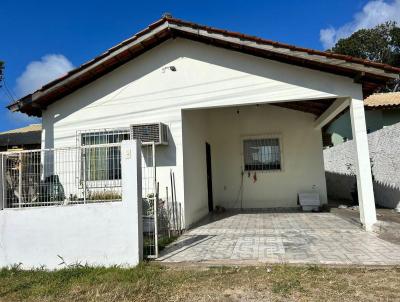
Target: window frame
(100,132)
(277,136)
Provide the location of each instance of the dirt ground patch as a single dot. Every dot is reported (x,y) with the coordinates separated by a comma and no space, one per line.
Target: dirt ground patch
(387,227)
(152,282)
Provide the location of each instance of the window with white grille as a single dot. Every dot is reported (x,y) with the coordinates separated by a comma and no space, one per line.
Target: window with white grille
(103,163)
(262,154)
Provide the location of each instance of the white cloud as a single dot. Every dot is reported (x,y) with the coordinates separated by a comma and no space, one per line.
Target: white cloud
(38,73)
(373,13)
(18,119)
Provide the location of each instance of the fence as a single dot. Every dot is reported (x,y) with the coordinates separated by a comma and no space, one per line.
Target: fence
(61,176)
(95,234)
(88,174)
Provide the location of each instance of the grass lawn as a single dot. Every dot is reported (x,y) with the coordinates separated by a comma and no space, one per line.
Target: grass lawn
(152,282)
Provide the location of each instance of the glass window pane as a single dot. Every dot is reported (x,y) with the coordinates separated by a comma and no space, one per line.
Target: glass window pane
(262,154)
(103,163)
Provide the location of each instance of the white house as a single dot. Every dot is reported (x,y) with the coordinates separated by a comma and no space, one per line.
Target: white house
(244,115)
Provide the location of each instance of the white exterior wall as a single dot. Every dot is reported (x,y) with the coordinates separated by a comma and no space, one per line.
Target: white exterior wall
(98,234)
(103,234)
(195,135)
(141,92)
(302,158)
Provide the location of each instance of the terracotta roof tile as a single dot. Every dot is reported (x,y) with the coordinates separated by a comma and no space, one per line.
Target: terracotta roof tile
(46,95)
(390,99)
(284,45)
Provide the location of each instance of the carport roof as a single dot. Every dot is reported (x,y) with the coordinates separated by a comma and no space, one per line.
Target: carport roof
(370,74)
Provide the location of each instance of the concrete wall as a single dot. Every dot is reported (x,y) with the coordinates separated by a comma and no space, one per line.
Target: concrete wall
(225,129)
(384,147)
(142,91)
(96,234)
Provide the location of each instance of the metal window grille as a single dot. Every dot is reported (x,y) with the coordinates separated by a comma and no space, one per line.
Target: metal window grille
(262,154)
(154,230)
(58,177)
(102,164)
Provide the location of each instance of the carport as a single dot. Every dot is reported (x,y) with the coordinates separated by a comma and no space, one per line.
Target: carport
(263,155)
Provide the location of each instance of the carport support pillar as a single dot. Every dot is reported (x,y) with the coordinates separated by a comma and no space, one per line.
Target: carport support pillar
(365,189)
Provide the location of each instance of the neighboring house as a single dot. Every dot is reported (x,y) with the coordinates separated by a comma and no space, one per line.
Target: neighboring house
(25,138)
(243,114)
(381,110)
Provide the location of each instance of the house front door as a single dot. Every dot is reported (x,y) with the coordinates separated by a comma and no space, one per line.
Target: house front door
(209,178)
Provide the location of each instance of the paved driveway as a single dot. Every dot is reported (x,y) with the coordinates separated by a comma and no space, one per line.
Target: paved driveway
(281,238)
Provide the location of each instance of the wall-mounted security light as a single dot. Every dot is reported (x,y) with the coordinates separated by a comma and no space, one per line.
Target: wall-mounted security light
(172,68)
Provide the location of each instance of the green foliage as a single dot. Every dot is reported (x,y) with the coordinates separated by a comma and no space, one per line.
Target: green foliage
(147,205)
(165,240)
(379,44)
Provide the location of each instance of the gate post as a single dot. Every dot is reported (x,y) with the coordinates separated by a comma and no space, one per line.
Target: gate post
(131,178)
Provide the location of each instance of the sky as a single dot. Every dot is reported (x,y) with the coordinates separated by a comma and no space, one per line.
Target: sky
(42,40)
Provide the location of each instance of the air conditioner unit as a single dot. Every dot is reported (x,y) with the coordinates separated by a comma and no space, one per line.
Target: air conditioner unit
(148,133)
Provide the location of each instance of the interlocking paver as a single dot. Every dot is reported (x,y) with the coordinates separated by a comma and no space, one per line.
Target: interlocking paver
(291,237)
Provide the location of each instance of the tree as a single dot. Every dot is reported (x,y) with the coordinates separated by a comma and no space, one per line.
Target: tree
(379,44)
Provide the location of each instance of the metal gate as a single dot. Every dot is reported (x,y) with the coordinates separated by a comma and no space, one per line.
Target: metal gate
(149,200)
(168,223)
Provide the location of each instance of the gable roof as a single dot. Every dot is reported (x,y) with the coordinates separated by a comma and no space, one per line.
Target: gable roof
(370,74)
(383,100)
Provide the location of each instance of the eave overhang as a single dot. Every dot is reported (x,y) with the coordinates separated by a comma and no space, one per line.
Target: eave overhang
(370,75)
